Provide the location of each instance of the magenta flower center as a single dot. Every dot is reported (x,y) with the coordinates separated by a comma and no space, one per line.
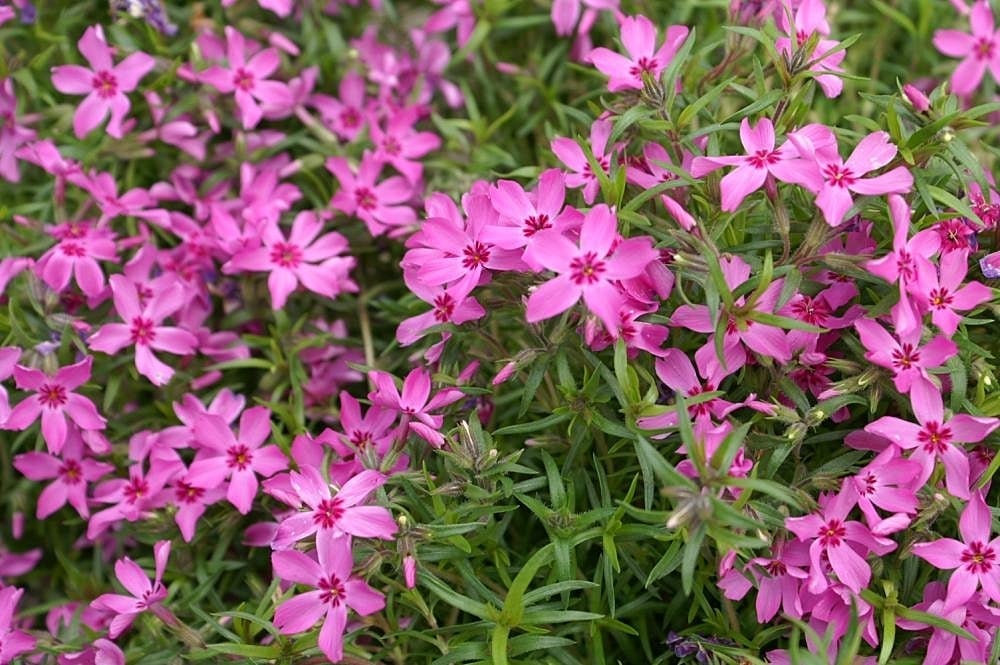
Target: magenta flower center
(838,176)
(704,408)
(333,591)
(286,255)
(391,146)
(934,437)
(603,162)
(905,357)
(870,481)
(187,493)
(905,266)
(832,533)
(365,198)
(762,158)
(105,84)
(73,249)
(940,298)
(239,457)
(586,269)
(243,80)
(476,254)
(984,48)
(360,439)
(71,472)
(776,568)
(142,331)
(328,513)
(978,558)
(444,307)
(350,118)
(136,489)
(641,65)
(536,223)
(52,395)
(814,312)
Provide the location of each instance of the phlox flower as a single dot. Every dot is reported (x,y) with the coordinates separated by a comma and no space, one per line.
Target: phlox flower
(191,502)
(887,482)
(450,304)
(810,19)
(248,79)
(842,542)
(833,179)
(104,83)
(9,355)
(53,400)
(908,360)
(336,589)
(13,642)
(77,255)
(101,652)
(521,215)
(638,35)
(12,134)
(330,515)
(137,497)
(399,144)
(761,160)
(144,329)
(979,50)
(239,459)
(976,617)
(304,257)
(414,403)
(936,438)
(345,115)
(70,474)
(571,154)
(948,293)
(587,270)
(908,264)
(975,559)
(145,595)
(377,205)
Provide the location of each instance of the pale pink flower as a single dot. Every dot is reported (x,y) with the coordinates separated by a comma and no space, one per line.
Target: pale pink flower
(105,83)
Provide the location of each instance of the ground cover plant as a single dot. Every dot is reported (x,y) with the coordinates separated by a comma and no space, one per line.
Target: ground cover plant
(499,331)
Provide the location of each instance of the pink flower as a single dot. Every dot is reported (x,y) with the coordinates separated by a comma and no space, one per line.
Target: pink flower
(975,560)
(587,270)
(9,355)
(908,264)
(77,255)
(844,542)
(144,329)
(975,617)
(908,360)
(377,205)
(191,502)
(13,643)
(948,294)
(887,482)
(415,402)
(336,590)
(346,116)
(301,258)
(833,180)
(71,473)
(762,159)
(331,515)
(144,595)
(638,35)
(105,83)
(53,400)
(523,215)
(101,652)
(810,19)
(571,154)
(137,497)
(400,145)
(935,438)
(12,134)
(239,459)
(978,50)
(451,304)
(248,80)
